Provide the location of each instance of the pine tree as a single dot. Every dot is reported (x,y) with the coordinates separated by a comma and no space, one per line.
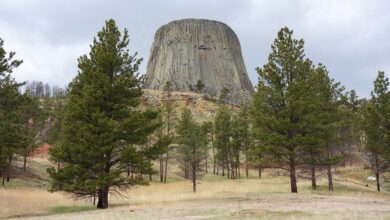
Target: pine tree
(33,118)
(199,86)
(57,105)
(208,131)
(11,120)
(241,136)
(169,117)
(103,128)
(192,146)
(321,121)
(222,129)
(376,121)
(280,105)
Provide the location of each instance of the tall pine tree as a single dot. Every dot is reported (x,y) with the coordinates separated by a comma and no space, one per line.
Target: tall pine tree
(192,146)
(103,127)
(11,120)
(281,103)
(376,126)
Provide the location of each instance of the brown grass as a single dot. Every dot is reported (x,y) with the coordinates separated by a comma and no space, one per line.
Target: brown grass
(217,198)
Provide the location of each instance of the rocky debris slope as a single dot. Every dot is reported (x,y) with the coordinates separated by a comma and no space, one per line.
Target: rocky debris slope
(185,51)
(201,107)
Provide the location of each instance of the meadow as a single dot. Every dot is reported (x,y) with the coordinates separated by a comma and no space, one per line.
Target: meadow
(217,198)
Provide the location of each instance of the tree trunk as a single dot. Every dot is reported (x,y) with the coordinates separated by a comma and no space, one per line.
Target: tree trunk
(330,179)
(293,177)
(206,162)
(227,167)
(239,171)
(161,169)
(9,168)
(313,178)
(166,168)
(259,172)
(246,166)
(350,155)
(194,180)
(378,187)
(24,162)
(103,198)
(212,144)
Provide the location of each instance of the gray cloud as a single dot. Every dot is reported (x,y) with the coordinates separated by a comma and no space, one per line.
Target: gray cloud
(349,37)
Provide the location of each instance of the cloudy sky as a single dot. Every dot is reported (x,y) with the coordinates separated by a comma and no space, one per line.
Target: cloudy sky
(351,37)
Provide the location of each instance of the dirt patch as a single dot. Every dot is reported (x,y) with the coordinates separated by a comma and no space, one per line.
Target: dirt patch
(42,149)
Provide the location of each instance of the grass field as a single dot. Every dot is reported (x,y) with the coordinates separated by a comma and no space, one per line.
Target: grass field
(217,198)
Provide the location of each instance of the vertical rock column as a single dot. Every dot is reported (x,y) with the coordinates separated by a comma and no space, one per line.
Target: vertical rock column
(185,51)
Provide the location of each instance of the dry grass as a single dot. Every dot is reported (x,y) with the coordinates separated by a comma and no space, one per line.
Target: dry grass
(217,198)
(267,198)
(24,201)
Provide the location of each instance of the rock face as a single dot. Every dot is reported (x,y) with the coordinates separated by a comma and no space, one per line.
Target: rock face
(185,51)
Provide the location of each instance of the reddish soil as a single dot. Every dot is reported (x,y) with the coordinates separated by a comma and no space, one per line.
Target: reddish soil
(42,149)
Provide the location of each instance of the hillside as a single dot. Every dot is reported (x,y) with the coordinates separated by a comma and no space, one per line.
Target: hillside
(203,107)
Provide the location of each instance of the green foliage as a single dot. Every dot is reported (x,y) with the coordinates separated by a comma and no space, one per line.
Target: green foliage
(292,105)
(376,126)
(56,112)
(199,86)
(192,146)
(223,97)
(103,127)
(11,102)
(33,117)
(222,129)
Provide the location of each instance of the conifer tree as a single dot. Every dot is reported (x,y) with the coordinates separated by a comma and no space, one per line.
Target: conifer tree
(241,136)
(11,120)
(208,131)
(192,146)
(222,128)
(280,105)
(33,118)
(169,118)
(321,122)
(376,121)
(103,128)
(199,86)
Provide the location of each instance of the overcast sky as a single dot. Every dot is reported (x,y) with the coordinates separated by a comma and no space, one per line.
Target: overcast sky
(352,38)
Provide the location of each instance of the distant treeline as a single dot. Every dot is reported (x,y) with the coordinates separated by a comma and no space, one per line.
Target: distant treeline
(40,89)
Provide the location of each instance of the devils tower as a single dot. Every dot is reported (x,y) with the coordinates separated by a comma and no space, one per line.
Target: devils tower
(185,51)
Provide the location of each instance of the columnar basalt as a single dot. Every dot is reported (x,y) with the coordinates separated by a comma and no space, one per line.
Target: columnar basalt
(185,51)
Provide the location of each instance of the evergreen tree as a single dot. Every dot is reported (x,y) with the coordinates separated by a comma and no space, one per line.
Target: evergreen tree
(103,128)
(222,129)
(321,122)
(33,118)
(208,131)
(57,105)
(199,86)
(192,146)
(281,102)
(376,121)
(241,136)
(224,96)
(169,117)
(11,120)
